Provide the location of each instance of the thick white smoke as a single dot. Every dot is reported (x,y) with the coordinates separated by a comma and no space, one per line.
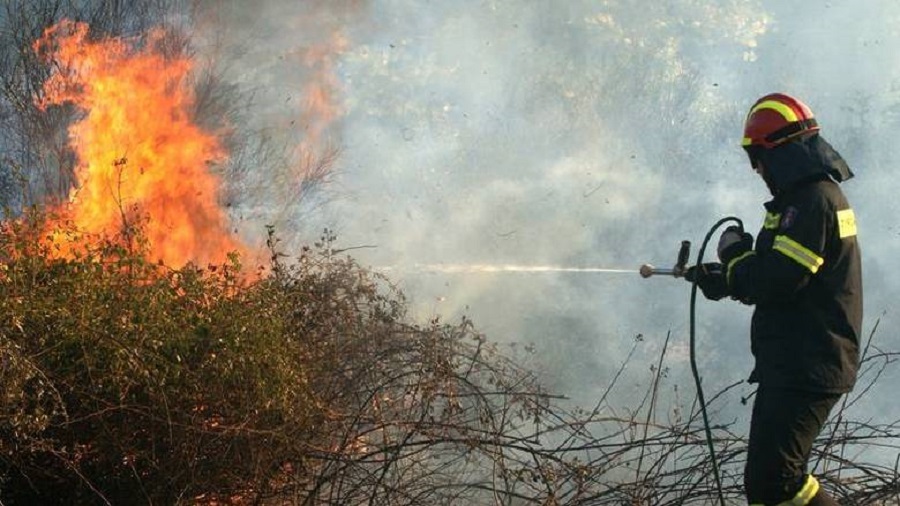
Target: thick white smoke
(581,134)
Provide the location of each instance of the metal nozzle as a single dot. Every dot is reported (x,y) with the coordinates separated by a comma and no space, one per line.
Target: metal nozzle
(648,270)
(678,271)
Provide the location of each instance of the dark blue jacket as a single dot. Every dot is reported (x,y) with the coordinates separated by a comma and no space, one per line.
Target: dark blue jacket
(804,274)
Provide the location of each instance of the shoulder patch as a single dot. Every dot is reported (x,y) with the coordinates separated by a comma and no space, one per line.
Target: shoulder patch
(788,217)
(846,223)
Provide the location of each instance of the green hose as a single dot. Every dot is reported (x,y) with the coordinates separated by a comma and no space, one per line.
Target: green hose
(694,370)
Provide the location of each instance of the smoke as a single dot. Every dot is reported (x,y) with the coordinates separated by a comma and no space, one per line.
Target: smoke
(519,133)
(576,133)
(280,61)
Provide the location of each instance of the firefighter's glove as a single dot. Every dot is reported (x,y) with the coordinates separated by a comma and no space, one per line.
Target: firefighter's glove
(733,243)
(710,277)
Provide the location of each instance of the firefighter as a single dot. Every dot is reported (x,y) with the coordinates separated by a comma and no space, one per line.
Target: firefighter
(804,278)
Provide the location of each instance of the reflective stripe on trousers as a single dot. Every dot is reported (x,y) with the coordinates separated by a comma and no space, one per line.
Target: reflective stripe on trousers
(804,496)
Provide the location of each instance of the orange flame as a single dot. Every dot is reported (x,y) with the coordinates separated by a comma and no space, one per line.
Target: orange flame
(321,108)
(141,156)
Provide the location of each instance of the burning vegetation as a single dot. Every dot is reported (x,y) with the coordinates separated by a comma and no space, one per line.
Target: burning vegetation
(141,158)
(125,385)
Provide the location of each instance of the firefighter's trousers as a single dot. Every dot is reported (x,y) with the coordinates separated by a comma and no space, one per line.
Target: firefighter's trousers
(784,425)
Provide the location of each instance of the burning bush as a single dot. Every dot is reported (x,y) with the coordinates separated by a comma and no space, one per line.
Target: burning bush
(127,382)
(126,379)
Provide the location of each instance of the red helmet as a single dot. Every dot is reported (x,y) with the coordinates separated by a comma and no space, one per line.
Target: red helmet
(775,119)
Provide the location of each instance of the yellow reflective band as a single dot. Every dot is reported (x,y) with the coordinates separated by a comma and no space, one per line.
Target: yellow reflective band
(797,252)
(734,262)
(846,223)
(746,141)
(778,107)
(772,221)
(803,497)
(806,494)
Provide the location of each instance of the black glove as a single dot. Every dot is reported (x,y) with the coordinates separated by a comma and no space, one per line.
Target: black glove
(710,277)
(733,243)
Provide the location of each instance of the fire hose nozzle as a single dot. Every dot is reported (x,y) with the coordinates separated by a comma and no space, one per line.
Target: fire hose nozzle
(678,271)
(648,270)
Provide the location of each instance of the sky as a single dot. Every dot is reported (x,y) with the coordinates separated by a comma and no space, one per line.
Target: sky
(575,134)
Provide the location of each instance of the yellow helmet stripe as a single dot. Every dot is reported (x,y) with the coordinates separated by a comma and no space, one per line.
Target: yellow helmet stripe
(789,115)
(798,253)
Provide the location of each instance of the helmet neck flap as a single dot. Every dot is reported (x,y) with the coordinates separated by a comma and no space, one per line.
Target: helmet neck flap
(804,159)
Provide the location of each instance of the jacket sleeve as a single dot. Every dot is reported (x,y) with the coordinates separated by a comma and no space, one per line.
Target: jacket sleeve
(783,263)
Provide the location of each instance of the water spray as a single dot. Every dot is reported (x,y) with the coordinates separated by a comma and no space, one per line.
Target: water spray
(646,270)
(506,268)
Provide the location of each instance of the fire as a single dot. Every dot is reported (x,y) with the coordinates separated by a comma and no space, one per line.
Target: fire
(321,108)
(141,157)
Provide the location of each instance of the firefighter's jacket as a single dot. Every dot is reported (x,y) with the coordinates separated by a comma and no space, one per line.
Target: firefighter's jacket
(804,274)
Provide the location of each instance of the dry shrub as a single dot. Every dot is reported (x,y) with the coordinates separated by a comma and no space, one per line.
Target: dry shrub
(126,382)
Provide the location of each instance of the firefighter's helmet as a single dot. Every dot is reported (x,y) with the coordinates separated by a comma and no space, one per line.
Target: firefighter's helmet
(775,119)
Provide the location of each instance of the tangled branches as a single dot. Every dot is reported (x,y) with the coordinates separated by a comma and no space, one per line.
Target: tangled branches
(127,383)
